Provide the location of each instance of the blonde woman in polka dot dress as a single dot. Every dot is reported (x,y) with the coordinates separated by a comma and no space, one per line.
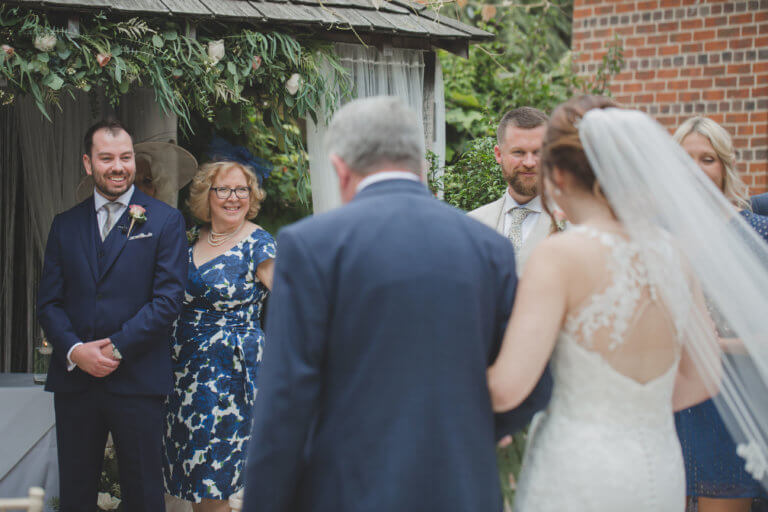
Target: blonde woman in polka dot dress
(715,475)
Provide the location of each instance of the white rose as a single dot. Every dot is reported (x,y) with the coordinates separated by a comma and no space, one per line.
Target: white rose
(293,83)
(216,50)
(46,42)
(106,501)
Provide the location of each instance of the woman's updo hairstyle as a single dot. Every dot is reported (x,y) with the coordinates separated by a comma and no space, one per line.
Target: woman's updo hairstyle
(562,146)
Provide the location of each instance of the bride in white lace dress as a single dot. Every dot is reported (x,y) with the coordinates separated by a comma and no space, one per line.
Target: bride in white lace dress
(611,312)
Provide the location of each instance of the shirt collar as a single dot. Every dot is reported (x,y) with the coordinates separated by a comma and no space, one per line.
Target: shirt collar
(533,205)
(384,176)
(99,200)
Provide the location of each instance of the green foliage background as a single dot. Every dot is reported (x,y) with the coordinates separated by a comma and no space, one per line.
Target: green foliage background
(528,64)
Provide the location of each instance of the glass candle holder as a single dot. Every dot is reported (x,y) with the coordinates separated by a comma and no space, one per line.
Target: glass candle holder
(42,360)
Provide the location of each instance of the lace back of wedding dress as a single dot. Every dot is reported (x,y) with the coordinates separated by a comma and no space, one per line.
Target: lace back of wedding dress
(607,440)
(623,320)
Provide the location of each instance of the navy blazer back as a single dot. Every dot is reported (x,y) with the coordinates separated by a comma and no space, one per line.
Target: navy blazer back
(384,317)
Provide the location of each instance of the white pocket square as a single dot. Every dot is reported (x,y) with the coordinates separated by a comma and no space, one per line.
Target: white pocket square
(140,235)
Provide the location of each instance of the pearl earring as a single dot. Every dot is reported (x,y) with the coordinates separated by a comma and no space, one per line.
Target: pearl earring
(557,191)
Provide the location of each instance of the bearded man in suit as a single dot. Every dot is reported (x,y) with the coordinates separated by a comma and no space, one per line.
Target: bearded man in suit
(519,213)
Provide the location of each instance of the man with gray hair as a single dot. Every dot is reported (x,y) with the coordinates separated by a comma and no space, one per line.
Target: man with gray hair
(384,316)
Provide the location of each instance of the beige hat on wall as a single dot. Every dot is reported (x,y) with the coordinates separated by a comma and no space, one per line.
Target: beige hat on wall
(172,168)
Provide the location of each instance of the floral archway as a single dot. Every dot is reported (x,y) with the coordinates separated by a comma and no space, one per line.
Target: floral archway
(56,74)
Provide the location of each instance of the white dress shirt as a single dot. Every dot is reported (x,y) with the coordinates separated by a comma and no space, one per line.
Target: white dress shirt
(384,176)
(530,221)
(101,217)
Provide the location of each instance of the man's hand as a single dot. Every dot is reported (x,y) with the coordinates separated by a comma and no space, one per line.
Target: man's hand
(504,442)
(90,358)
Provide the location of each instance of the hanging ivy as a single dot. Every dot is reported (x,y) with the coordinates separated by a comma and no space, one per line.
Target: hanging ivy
(224,65)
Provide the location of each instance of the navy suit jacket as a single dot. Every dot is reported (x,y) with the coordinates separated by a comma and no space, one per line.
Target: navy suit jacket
(760,204)
(384,317)
(128,290)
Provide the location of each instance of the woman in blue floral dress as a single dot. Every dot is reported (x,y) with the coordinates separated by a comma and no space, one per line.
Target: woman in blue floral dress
(715,474)
(217,341)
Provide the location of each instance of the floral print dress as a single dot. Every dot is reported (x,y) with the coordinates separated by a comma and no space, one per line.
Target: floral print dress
(216,351)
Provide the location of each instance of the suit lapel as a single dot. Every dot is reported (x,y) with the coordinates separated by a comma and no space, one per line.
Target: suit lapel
(118,237)
(497,221)
(89,225)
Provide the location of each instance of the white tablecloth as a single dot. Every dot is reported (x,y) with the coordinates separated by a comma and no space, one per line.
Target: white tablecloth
(27,438)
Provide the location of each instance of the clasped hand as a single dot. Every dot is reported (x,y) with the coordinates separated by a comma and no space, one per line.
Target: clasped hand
(95,357)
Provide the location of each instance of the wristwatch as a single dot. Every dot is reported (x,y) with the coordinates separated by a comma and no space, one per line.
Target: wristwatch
(116,353)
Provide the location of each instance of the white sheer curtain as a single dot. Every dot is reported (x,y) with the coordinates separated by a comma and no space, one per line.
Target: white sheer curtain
(398,72)
(439,143)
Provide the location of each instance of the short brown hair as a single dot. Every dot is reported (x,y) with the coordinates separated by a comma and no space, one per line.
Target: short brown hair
(526,118)
(200,189)
(112,125)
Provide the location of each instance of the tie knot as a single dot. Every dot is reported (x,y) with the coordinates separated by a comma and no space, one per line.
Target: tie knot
(520,212)
(112,207)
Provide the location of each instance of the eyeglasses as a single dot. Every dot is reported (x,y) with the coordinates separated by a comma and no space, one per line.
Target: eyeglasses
(226,192)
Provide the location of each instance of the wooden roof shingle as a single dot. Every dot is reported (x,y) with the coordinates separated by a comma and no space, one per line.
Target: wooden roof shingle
(401,20)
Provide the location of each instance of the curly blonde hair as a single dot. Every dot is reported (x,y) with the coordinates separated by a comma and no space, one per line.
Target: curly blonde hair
(734,189)
(199,190)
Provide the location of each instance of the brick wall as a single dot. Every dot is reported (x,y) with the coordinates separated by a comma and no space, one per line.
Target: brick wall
(687,57)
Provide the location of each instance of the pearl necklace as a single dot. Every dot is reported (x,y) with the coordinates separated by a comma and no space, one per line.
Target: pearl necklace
(216,239)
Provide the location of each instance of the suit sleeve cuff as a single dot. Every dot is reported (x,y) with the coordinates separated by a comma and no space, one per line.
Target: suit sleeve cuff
(117,342)
(70,365)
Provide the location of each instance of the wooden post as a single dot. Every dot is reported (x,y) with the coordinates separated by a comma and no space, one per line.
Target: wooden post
(34,502)
(36,499)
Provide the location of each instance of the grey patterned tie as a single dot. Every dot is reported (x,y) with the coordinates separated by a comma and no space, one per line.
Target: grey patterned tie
(519,214)
(112,209)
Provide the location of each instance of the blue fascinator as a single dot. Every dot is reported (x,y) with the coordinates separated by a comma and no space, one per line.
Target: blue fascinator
(220,150)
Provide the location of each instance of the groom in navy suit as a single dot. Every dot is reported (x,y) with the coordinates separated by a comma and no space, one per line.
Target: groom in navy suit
(112,285)
(384,317)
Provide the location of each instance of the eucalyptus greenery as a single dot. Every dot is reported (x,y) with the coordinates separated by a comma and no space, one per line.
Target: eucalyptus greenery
(474,180)
(224,65)
(529,63)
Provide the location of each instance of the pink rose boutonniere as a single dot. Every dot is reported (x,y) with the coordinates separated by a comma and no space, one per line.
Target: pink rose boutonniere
(561,221)
(138,214)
